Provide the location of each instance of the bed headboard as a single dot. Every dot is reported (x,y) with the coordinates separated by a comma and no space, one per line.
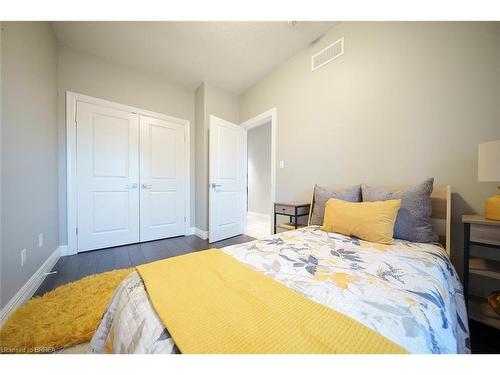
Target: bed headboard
(441,213)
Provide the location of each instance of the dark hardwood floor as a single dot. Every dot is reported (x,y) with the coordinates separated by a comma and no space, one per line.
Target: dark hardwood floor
(484,339)
(74,267)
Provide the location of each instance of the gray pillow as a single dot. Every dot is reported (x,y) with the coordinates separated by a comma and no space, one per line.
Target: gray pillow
(321,196)
(413,222)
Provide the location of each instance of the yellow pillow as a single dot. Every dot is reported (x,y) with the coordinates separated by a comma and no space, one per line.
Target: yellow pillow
(370,221)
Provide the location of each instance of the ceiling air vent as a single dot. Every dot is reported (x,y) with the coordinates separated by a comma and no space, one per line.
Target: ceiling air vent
(327,54)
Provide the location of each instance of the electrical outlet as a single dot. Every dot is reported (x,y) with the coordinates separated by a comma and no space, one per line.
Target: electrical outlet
(23,257)
(40,239)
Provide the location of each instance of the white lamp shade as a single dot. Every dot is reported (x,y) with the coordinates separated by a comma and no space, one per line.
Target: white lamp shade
(488,162)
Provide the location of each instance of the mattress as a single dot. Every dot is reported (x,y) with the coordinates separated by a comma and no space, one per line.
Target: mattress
(408,292)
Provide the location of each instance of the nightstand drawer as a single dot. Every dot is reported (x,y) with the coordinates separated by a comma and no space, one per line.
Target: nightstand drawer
(487,234)
(290,210)
(483,232)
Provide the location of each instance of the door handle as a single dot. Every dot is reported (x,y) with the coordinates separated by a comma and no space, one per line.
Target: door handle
(147,186)
(213,186)
(131,186)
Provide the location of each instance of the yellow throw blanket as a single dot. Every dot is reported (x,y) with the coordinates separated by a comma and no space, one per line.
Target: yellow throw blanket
(212,303)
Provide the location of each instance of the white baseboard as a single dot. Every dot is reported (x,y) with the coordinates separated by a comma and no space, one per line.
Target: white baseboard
(191,231)
(30,287)
(203,234)
(65,251)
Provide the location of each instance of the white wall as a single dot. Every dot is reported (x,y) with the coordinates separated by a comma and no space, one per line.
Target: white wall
(406,101)
(89,75)
(210,100)
(259,169)
(29,150)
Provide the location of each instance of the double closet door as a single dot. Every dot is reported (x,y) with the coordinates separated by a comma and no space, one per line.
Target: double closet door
(131,177)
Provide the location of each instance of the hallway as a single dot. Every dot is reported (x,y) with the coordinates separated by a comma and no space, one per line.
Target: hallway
(258,225)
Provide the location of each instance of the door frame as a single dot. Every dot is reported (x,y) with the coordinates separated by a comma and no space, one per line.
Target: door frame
(259,120)
(71,173)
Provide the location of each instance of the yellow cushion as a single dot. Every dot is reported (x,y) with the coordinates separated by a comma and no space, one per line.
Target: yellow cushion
(370,221)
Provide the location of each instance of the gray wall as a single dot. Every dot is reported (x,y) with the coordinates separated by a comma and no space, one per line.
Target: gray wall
(209,100)
(29,150)
(89,75)
(406,101)
(259,169)
(201,153)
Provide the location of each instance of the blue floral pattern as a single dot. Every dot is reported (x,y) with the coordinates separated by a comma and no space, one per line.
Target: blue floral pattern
(408,292)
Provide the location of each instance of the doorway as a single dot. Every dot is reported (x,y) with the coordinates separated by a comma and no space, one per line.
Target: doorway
(228,187)
(259,181)
(261,173)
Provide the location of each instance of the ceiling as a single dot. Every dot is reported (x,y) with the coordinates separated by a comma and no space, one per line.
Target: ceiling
(230,55)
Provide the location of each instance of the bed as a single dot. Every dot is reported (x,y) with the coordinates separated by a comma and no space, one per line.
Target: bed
(407,292)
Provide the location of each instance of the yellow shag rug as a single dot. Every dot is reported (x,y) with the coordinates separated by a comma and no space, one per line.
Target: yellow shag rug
(66,316)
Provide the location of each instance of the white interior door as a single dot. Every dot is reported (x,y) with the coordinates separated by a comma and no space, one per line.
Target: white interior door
(227,179)
(108,175)
(163,179)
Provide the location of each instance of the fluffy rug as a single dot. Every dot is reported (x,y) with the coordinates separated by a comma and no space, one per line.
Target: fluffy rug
(66,316)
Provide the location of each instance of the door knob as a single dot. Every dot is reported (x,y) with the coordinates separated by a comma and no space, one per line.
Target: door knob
(213,186)
(131,186)
(146,186)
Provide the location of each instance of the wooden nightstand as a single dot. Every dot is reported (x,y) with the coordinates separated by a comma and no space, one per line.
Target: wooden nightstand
(482,232)
(293,210)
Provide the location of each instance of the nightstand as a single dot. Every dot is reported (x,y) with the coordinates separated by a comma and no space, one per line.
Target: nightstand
(293,210)
(482,232)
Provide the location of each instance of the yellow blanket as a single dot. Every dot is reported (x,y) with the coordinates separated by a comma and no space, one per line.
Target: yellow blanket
(212,303)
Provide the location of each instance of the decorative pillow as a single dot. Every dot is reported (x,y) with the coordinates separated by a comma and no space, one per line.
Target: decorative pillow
(414,217)
(370,221)
(321,196)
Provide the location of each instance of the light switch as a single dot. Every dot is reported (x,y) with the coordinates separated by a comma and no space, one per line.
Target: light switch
(282,164)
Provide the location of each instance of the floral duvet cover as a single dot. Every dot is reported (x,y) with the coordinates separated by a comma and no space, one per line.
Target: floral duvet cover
(408,292)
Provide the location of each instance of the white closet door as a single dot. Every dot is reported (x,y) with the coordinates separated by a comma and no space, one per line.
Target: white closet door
(163,179)
(108,175)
